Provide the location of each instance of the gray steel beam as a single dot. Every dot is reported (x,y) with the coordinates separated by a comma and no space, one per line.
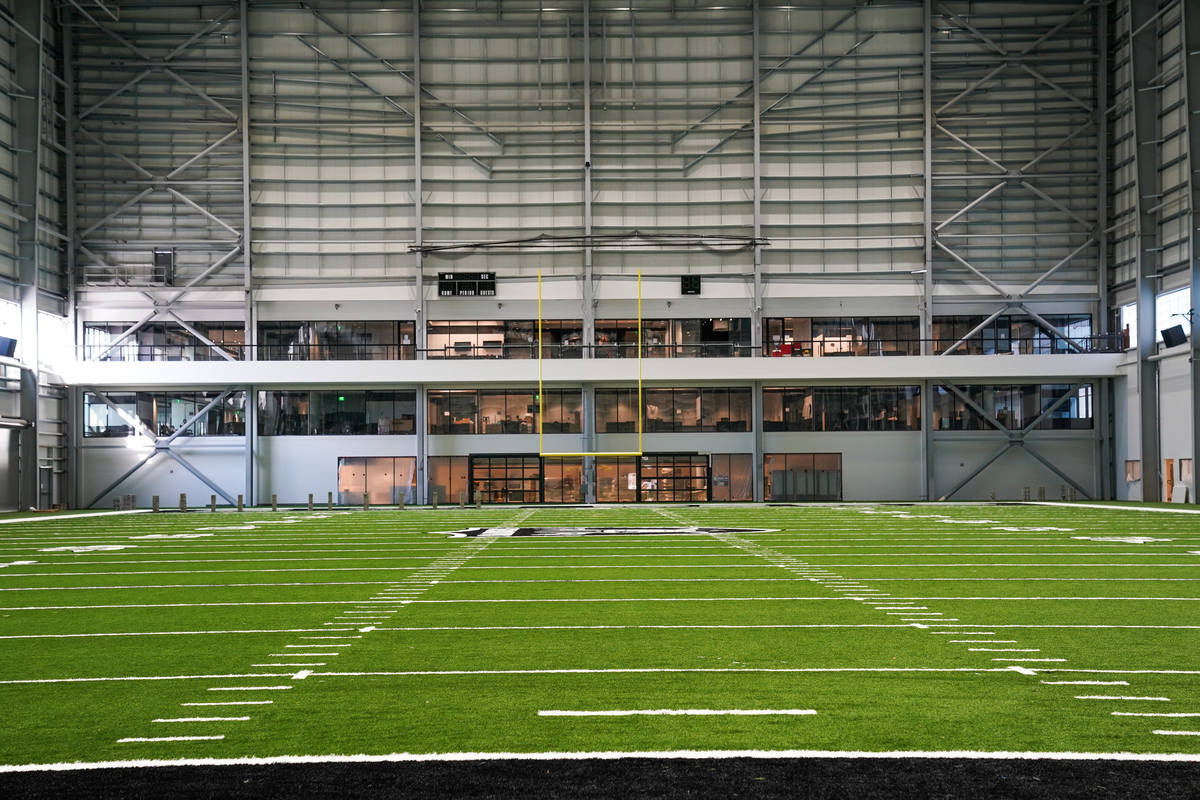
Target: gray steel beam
(28,113)
(589,288)
(927,465)
(250,329)
(755,81)
(756,186)
(412,79)
(825,67)
(1191,72)
(589,278)
(419,327)
(1143,56)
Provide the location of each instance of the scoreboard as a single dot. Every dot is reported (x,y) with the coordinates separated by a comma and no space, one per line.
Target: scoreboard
(466,284)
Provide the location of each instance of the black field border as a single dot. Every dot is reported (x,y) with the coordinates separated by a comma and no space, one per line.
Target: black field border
(866,778)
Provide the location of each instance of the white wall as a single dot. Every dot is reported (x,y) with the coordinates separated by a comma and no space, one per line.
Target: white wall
(959,454)
(220,459)
(292,467)
(876,465)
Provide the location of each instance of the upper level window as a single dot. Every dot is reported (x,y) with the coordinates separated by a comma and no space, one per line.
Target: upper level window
(337,340)
(161,341)
(561,338)
(842,408)
(487,411)
(163,414)
(718,337)
(841,336)
(1014,406)
(674,410)
(336,413)
(1012,334)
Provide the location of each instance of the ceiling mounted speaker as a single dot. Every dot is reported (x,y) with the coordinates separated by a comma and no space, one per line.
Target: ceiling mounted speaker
(1174,335)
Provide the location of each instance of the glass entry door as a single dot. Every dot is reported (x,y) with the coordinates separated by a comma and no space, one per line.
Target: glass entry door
(803,476)
(383,480)
(506,479)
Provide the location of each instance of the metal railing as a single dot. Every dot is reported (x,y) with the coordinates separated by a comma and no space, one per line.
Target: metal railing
(810,348)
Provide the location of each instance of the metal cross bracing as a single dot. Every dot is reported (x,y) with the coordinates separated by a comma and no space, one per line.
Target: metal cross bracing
(1014,439)
(161,444)
(1013,165)
(157,128)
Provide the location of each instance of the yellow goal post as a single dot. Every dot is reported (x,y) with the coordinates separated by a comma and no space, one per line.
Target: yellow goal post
(541,440)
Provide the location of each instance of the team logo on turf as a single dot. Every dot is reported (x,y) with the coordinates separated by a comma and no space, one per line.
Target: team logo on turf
(598,530)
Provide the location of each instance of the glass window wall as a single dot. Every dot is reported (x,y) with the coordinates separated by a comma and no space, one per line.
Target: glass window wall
(336,413)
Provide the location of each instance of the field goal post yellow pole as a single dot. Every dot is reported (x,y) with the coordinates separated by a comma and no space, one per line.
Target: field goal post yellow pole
(541,443)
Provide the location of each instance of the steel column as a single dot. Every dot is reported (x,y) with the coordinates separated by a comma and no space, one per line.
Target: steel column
(927,212)
(27,110)
(756,251)
(419,326)
(1191,73)
(1143,56)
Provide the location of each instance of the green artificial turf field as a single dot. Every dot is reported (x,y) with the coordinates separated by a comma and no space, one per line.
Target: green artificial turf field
(994,628)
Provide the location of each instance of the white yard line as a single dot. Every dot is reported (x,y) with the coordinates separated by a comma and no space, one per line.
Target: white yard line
(1120,697)
(1175,714)
(1177,733)
(1086,683)
(233,703)
(201,719)
(683,712)
(168,739)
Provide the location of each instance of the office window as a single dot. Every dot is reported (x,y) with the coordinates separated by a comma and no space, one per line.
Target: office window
(336,413)
(616,410)
(163,414)
(562,411)
(561,338)
(336,340)
(453,412)
(802,409)
(1014,406)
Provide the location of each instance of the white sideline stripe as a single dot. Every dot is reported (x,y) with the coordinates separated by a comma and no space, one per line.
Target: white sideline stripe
(53,517)
(1119,697)
(1004,649)
(193,605)
(201,719)
(603,755)
(1087,683)
(1177,733)
(1156,714)
(233,703)
(301,655)
(1029,660)
(163,633)
(560,671)
(983,641)
(168,739)
(683,712)
(1114,508)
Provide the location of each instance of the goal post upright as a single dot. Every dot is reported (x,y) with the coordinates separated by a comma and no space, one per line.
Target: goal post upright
(541,437)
